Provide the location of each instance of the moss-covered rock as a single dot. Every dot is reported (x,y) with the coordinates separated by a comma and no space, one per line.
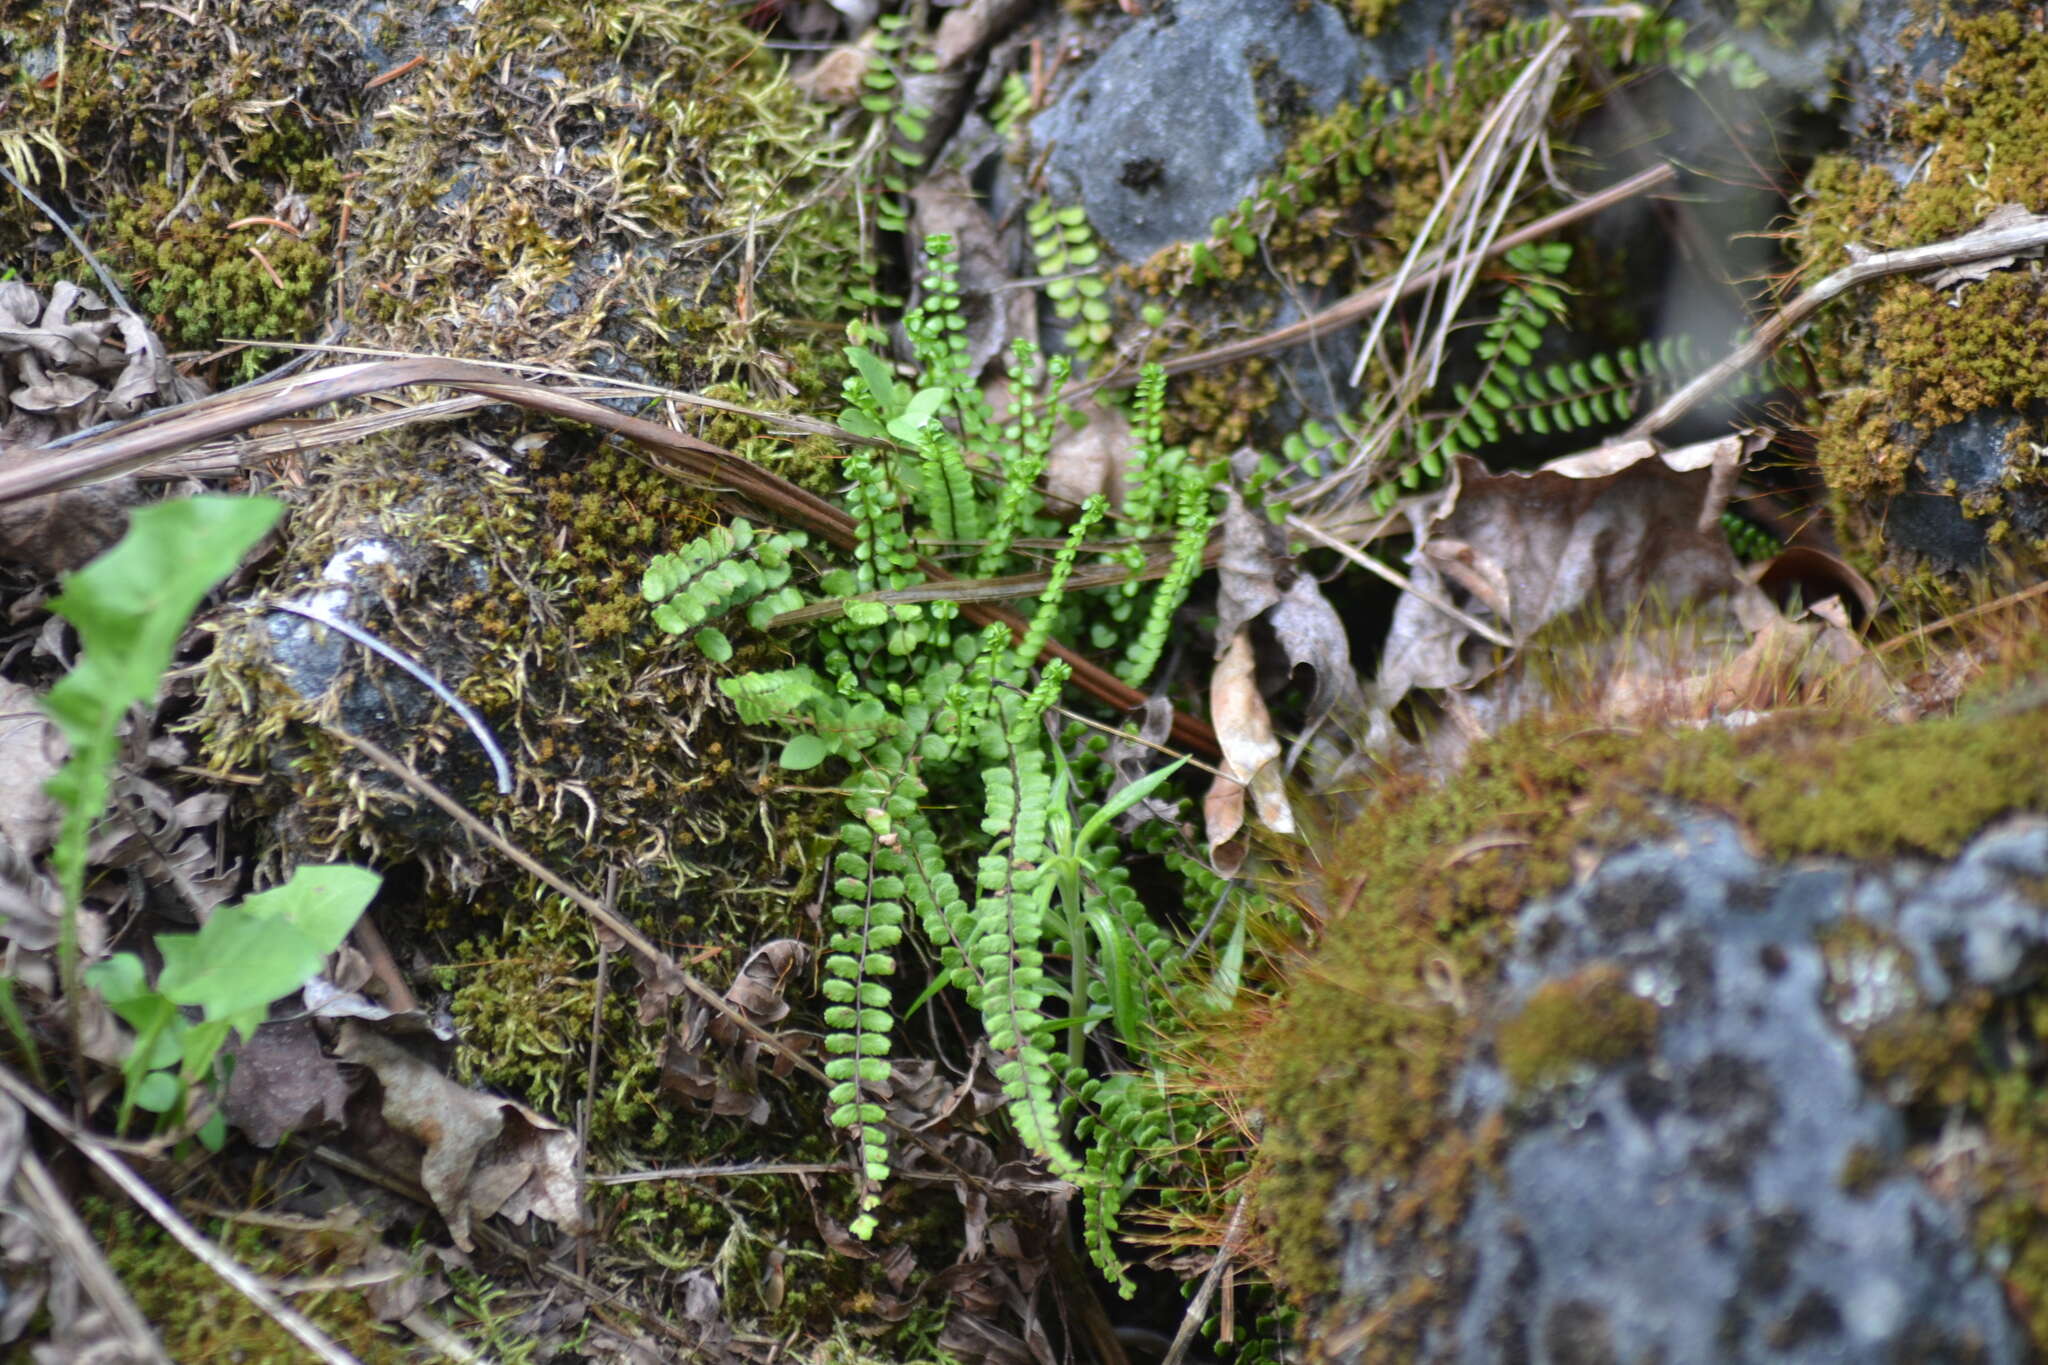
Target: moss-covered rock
(1381,1131)
(1930,441)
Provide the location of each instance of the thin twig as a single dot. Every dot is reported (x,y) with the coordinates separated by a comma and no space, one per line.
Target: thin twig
(597,384)
(739,1171)
(583,1112)
(1198,1306)
(1982,244)
(1347,311)
(1957,618)
(39,1192)
(157,1207)
(1163,749)
(1401,581)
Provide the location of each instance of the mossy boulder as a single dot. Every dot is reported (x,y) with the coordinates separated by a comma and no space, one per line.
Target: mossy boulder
(1655,1042)
(1930,442)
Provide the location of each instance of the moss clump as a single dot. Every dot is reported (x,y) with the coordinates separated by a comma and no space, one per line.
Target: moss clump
(1872,793)
(1586,1021)
(522,1000)
(198,1317)
(1357,1065)
(200,281)
(652,199)
(1908,358)
(177,138)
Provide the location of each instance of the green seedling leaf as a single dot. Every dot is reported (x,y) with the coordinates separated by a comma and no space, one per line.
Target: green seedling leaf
(875,372)
(923,405)
(803,752)
(250,955)
(130,606)
(1126,798)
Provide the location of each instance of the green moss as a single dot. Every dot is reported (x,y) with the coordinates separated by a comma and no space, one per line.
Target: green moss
(1923,788)
(1911,358)
(1359,1061)
(1587,1021)
(198,1317)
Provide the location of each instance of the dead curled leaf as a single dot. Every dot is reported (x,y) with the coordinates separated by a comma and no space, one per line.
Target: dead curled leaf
(1259,581)
(1130,759)
(727,1079)
(1089,459)
(284,1083)
(478,1154)
(1251,755)
(31,751)
(1248,571)
(1611,529)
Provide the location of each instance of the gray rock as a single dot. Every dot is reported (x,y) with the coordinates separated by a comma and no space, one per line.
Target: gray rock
(1181,115)
(1689,1204)
(1969,458)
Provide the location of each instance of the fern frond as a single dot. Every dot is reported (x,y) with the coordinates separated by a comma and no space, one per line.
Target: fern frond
(1040,630)
(1009,928)
(725,568)
(861,958)
(1194,519)
(1027,446)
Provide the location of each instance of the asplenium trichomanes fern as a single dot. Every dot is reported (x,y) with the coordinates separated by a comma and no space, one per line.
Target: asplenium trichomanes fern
(1046,940)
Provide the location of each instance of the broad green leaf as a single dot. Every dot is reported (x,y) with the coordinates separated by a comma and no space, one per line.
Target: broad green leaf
(875,371)
(253,954)
(130,606)
(923,405)
(803,752)
(1126,798)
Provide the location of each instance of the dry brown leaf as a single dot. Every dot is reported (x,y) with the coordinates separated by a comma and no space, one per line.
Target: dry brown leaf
(1311,635)
(166,840)
(284,1083)
(1248,573)
(1090,459)
(1130,760)
(757,989)
(1223,820)
(836,79)
(1612,529)
(31,751)
(57,532)
(699,1303)
(727,1079)
(971,27)
(1805,574)
(60,372)
(1251,755)
(723,1083)
(480,1154)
